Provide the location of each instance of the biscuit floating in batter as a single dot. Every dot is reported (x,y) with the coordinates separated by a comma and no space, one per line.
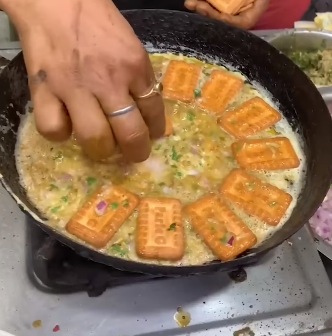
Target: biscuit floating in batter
(102,216)
(160,232)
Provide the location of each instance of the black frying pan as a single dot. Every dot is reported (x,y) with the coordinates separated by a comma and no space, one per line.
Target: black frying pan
(176,32)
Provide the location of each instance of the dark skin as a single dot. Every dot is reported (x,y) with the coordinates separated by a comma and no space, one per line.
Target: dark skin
(84,61)
(245,20)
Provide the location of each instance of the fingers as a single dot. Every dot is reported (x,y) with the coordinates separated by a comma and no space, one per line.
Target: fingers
(51,117)
(203,8)
(90,125)
(130,130)
(190,4)
(243,20)
(152,108)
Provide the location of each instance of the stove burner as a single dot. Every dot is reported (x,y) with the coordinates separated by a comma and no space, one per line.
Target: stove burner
(55,268)
(239,275)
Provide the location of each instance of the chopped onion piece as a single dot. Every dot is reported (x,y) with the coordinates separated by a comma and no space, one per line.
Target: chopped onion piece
(194,149)
(66,177)
(204,182)
(101,208)
(193,172)
(167,191)
(321,221)
(152,165)
(231,241)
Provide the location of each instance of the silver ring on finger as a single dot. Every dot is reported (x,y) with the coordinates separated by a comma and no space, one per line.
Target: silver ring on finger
(157,89)
(121,112)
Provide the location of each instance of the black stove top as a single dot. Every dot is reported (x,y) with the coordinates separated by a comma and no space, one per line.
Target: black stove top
(55,268)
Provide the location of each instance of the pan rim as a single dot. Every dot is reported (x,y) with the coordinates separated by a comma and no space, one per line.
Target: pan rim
(139,267)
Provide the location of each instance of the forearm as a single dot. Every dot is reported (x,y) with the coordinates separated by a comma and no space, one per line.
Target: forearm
(8,5)
(13,7)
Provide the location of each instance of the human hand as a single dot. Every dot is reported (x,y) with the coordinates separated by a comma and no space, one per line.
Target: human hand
(245,20)
(85,62)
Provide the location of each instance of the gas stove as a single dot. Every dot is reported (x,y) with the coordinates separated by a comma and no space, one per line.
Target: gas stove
(286,293)
(55,268)
(45,288)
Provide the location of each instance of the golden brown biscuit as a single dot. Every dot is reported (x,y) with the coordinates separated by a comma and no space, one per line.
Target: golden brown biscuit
(252,117)
(220,89)
(255,197)
(265,154)
(227,6)
(102,215)
(180,81)
(224,232)
(160,232)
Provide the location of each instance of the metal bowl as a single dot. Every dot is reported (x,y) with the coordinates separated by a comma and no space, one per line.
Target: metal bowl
(304,39)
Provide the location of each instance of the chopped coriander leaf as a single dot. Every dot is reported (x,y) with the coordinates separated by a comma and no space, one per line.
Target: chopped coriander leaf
(224,239)
(172,227)
(273,131)
(197,93)
(91,181)
(190,116)
(52,187)
(161,184)
(175,155)
(64,198)
(179,174)
(158,147)
(114,205)
(238,148)
(116,248)
(125,204)
(56,209)
(174,166)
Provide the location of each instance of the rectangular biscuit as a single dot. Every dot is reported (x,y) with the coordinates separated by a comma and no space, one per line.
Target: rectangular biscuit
(255,197)
(180,81)
(160,231)
(97,227)
(219,90)
(227,6)
(252,117)
(265,154)
(223,231)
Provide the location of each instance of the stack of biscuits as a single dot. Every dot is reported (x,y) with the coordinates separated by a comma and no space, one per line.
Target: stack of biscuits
(232,7)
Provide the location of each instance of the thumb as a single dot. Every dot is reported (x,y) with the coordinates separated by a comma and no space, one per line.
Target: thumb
(191,5)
